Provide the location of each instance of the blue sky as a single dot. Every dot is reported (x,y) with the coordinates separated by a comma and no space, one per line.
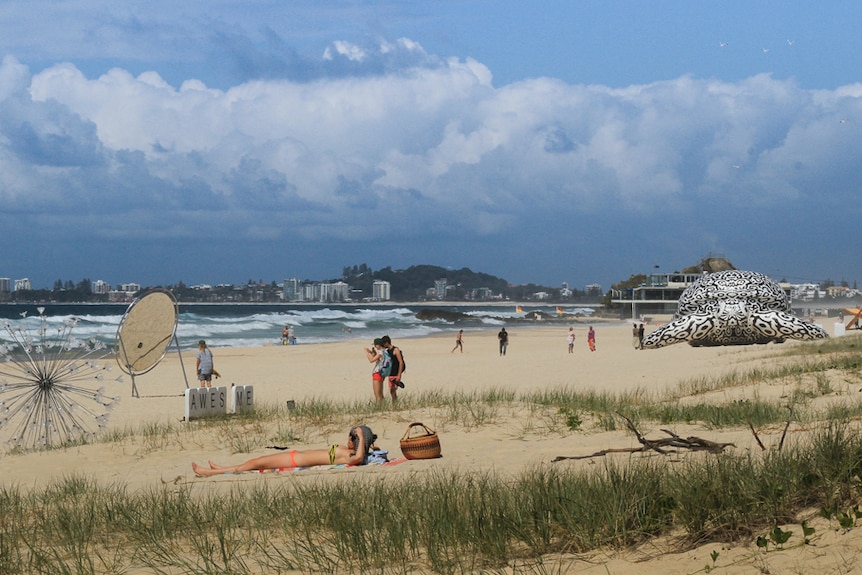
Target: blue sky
(205,142)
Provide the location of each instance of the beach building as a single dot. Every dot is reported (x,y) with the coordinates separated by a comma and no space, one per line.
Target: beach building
(23,284)
(657,296)
(5,285)
(660,294)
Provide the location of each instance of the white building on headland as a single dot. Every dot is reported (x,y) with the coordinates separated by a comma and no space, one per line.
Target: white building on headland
(381,290)
(22,284)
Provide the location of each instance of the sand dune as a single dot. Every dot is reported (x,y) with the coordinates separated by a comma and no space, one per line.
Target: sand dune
(511,439)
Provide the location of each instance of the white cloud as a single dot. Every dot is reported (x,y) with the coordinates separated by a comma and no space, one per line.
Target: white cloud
(436,142)
(350,51)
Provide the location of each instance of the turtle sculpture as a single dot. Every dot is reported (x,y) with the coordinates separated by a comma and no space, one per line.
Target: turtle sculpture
(733,307)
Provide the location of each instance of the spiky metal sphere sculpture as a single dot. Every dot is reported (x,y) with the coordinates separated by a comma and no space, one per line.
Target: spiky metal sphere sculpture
(51,384)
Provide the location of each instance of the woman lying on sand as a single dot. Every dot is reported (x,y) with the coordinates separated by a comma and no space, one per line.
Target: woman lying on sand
(356,452)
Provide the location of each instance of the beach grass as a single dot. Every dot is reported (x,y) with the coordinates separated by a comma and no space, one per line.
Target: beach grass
(443,522)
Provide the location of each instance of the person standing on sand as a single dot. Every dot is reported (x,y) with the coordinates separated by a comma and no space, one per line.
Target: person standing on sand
(641,336)
(503,336)
(591,339)
(459,341)
(382,366)
(204,365)
(570,339)
(635,339)
(398,367)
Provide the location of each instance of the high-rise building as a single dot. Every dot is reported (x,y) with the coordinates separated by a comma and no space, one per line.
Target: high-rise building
(380,290)
(22,284)
(292,290)
(440,288)
(332,292)
(5,285)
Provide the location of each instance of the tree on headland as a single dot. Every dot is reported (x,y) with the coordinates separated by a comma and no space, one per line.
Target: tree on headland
(627,286)
(710,264)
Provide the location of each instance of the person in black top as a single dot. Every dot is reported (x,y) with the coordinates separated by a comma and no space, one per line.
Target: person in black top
(503,336)
(398,367)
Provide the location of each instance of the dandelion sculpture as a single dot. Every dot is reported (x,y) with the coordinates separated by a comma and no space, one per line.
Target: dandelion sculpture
(47,376)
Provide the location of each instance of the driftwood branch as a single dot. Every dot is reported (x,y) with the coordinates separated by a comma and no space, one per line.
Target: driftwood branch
(664,445)
(783,433)
(786,427)
(754,433)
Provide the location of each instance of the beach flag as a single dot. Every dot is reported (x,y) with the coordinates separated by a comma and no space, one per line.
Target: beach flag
(519,309)
(559,310)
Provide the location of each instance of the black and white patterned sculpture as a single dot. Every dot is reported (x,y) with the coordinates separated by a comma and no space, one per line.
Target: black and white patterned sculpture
(733,308)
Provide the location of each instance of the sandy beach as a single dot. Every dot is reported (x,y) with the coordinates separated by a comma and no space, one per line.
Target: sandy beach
(507,441)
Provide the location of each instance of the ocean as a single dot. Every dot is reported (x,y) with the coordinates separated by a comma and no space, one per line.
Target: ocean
(254,325)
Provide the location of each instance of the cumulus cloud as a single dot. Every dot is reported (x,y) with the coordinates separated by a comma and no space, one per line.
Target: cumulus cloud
(430,142)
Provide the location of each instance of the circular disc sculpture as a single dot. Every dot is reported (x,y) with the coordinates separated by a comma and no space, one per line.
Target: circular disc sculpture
(733,308)
(47,376)
(145,332)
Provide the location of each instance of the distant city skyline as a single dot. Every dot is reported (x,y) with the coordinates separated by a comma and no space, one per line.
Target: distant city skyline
(803,289)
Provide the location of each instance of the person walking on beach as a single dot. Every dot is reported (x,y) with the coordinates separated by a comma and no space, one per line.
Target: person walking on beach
(459,341)
(204,365)
(382,366)
(591,339)
(570,339)
(635,339)
(398,367)
(503,336)
(360,442)
(641,336)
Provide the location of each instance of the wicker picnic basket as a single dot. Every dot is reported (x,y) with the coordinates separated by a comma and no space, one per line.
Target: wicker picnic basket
(424,445)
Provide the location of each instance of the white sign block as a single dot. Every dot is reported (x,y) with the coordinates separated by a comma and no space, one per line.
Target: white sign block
(241,398)
(839,329)
(205,401)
